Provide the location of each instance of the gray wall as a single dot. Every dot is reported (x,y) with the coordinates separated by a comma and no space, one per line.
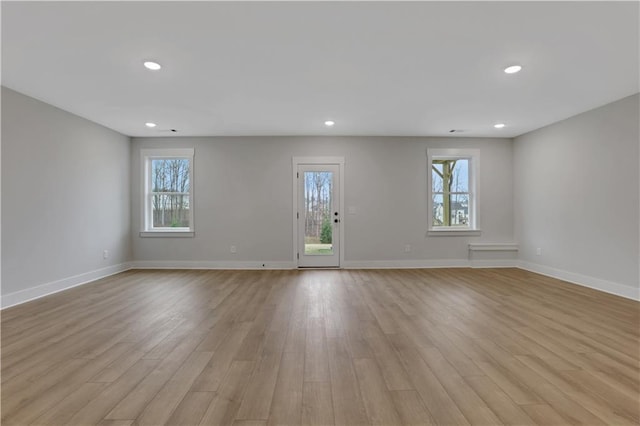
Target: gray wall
(576,194)
(243,197)
(71,188)
(65,194)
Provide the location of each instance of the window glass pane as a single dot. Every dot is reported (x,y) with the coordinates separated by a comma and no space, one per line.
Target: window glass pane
(436,179)
(170,175)
(459,209)
(450,192)
(170,211)
(460,176)
(438,210)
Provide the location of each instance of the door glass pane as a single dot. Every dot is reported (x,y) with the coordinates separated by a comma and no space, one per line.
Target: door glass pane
(318,220)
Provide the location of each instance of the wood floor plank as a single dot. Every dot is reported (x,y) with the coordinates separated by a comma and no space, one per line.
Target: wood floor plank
(134,402)
(211,377)
(286,406)
(411,408)
(317,408)
(471,405)
(543,414)
(348,347)
(35,406)
(316,365)
(117,368)
(224,406)
(107,422)
(562,388)
(377,399)
(259,394)
(167,399)
(348,406)
(500,403)
(63,411)
(443,409)
(191,409)
(249,423)
(392,370)
(98,407)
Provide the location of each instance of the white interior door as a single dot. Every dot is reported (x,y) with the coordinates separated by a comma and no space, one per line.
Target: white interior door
(318,216)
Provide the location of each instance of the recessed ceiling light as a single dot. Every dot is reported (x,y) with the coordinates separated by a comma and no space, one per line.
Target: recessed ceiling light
(329,123)
(499,125)
(512,69)
(150,124)
(153,66)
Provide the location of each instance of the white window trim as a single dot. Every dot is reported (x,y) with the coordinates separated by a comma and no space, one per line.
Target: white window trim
(473,155)
(158,153)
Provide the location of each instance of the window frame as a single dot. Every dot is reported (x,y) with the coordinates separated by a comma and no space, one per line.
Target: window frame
(146,156)
(473,157)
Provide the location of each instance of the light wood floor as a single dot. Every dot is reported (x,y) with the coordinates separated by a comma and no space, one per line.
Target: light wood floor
(439,346)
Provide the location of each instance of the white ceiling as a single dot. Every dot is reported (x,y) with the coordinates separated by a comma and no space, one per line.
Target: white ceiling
(283,68)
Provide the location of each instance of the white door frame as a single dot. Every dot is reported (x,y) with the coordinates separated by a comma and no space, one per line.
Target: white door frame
(296,161)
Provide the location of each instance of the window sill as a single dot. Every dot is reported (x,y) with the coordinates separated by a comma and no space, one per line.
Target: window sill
(454,232)
(167,234)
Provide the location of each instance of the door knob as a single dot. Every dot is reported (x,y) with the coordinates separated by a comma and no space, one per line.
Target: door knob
(336,220)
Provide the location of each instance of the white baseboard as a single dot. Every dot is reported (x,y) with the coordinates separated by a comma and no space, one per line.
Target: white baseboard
(493,247)
(583,280)
(37,292)
(42,290)
(405,264)
(207,264)
(351,264)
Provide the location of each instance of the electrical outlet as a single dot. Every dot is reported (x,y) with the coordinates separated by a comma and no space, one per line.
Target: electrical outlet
(105,254)
(538,251)
(233,249)
(407,248)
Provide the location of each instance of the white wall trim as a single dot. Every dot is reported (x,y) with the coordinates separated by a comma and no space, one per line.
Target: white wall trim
(583,280)
(350,264)
(406,264)
(32,293)
(211,264)
(430,264)
(46,289)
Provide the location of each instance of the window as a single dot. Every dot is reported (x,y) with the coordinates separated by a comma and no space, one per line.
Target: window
(168,192)
(453,198)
